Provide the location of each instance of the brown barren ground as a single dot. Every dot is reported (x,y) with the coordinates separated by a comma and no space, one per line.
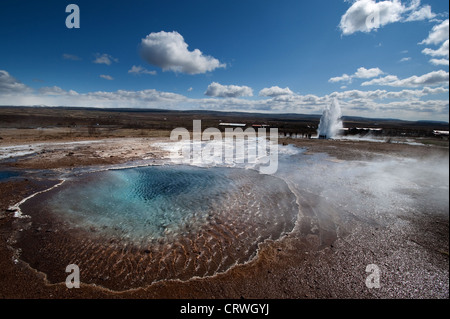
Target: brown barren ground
(413,261)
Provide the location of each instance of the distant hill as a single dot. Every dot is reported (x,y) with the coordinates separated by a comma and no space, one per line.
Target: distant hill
(160,119)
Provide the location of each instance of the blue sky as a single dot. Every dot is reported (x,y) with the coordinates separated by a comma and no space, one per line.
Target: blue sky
(384,59)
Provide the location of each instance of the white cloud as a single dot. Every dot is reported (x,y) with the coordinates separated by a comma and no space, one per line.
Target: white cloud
(344,77)
(56,90)
(439,62)
(218,90)
(369,15)
(383,94)
(71,57)
(169,51)
(433,78)
(423,13)
(140,70)
(359,16)
(404,103)
(135,97)
(106,77)
(443,51)
(438,34)
(405,59)
(55,96)
(105,59)
(430,79)
(9,85)
(381,81)
(361,73)
(275,91)
(438,90)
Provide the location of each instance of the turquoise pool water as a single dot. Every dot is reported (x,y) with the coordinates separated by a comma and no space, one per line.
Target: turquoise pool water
(156,223)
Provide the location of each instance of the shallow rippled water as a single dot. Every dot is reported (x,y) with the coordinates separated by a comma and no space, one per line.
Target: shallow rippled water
(128,228)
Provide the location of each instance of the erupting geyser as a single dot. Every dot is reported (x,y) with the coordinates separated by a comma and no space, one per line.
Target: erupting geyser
(330,122)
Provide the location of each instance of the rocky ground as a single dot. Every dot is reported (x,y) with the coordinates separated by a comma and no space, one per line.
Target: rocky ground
(411,252)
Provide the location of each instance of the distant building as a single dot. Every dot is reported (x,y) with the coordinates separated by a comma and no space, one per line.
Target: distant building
(440,133)
(233,124)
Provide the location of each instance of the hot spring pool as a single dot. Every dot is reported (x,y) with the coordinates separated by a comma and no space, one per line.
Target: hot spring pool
(130,227)
(159,202)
